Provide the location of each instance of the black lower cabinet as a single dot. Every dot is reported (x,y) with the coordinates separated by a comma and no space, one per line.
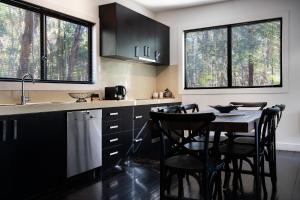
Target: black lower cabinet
(116,138)
(36,154)
(146,144)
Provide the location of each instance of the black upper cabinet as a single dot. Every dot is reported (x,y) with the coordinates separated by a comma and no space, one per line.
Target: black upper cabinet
(162,50)
(128,35)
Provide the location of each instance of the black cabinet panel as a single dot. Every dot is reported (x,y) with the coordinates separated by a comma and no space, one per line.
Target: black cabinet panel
(127,32)
(162,50)
(141,115)
(128,35)
(117,136)
(112,156)
(35,146)
(115,113)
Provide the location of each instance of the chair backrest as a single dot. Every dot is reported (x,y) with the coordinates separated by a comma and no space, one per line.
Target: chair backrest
(281,108)
(190,107)
(259,105)
(267,125)
(173,127)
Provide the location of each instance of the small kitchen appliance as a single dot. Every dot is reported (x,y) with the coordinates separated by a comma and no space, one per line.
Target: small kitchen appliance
(115,93)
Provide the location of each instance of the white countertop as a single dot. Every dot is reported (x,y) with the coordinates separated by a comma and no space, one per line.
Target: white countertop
(10,109)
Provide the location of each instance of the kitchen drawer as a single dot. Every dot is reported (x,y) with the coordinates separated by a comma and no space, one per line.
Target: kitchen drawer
(141,115)
(109,114)
(111,140)
(115,139)
(116,126)
(112,156)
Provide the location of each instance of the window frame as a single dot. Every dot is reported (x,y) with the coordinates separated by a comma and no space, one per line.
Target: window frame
(229,53)
(44,13)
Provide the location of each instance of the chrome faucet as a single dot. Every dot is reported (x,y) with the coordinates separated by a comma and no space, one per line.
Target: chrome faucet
(24,98)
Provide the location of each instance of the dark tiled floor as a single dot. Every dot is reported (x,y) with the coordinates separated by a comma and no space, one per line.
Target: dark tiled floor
(142,183)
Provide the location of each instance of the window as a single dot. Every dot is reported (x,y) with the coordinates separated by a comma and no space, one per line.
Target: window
(52,46)
(234,56)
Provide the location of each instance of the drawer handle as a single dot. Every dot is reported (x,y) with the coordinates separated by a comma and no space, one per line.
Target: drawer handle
(4,131)
(15,129)
(114,127)
(114,140)
(114,114)
(114,153)
(139,117)
(138,140)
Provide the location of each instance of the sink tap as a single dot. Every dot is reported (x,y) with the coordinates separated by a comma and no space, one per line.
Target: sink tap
(24,98)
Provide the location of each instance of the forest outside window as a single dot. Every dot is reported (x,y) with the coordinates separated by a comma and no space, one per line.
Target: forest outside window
(246,55)
(51,46)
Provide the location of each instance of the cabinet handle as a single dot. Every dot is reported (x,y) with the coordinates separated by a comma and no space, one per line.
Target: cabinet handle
(114,140)
(114,127)
(136,51)
(113,114)
(139,117)
(145,50)
(4,131)
(15,129)
(114,153)
(157,55)
(148,51)
(138,140)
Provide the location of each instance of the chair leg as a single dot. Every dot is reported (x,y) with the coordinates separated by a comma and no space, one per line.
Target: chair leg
(263,181)
(240,176)
(162,182)
(272,169)
(169,182)
(235,177)
(180,186)
(219,185)
(206,183)
(227,173)
(257,176)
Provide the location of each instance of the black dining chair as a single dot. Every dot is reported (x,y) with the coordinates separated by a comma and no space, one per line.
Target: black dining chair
(193,108)
(242,138)
(246,138)
(190,108)
(270,148)
(178,160)
(247,152)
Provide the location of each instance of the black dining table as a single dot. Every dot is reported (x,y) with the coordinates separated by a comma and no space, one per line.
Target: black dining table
(241,121)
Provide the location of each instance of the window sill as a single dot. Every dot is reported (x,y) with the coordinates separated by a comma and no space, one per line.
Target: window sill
(281,90)
(48,86)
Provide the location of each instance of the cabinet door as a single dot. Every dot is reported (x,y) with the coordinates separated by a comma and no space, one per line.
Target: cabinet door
(146,37)
(127,33)
(40,152)
(6,167)
(162,53)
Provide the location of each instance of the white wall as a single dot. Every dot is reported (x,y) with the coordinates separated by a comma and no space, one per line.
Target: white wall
(289,131)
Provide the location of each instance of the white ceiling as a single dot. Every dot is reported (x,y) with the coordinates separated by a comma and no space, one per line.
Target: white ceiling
(162,5)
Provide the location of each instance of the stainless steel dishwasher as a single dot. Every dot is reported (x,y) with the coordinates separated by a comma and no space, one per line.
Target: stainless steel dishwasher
(84,141)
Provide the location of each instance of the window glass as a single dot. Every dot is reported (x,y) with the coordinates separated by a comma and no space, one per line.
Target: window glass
(256,54)
(19,42)
(206,58)
(67,51)
(254,51)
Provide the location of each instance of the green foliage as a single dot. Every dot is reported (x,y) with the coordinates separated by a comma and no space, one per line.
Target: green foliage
(254,46)
(62,62)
